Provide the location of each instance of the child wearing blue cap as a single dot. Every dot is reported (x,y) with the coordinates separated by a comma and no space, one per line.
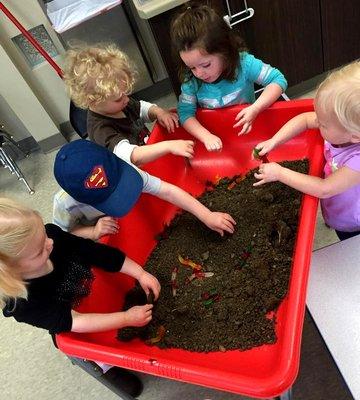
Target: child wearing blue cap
(99,79)
(93,175)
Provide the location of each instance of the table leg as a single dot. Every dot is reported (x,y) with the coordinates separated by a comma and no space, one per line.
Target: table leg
(95,371)
(284,396)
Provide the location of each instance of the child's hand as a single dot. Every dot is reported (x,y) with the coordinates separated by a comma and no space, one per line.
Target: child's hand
(245,118)
(139,315)
(183,148)
(149,282)
(220,222)
(105,226)
(268,172)
(265,147)
(167,119)
(212,142)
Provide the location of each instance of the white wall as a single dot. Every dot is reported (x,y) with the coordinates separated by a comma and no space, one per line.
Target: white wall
(44,82)
(23,102)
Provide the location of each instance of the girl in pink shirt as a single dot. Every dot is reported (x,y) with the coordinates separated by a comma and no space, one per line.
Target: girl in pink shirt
(337,116)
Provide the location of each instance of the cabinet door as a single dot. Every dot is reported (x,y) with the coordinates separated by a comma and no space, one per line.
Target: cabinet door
(285,34)
(341,31)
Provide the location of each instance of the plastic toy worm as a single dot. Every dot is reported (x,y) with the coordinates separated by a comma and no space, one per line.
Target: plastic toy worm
(189,263)
(173,280)
(159,335)
(210,297)
(237,180)
(199,275)
(257,156)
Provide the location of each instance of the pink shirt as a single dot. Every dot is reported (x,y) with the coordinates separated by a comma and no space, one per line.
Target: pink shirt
(342,211)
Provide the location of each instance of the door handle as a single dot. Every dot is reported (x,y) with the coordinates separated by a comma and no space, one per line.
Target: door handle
(245,14)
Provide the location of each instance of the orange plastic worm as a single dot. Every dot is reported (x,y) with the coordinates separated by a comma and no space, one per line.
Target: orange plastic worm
(189,263)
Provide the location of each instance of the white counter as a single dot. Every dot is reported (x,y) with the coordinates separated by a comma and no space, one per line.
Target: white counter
(333,300)
(150,8)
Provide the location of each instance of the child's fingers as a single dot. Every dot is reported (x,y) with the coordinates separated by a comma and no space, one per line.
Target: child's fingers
(246,128)
(156,290)
(173,125)
(259,183)
(190,148)
(261,179)
(230,218)
(239,123)
(214,147)
(110,225)
(240,115)
(228,225)
(148,308)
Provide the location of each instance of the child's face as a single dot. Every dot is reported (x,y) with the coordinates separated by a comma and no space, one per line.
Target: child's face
(33,259)
(331,129)
(114,104)
(204,66)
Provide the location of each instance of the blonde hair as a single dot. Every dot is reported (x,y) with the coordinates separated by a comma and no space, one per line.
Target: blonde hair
(17,227)
(93,74)
(340,93)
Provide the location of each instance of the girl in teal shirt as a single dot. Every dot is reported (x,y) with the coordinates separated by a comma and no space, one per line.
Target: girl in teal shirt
(218,72)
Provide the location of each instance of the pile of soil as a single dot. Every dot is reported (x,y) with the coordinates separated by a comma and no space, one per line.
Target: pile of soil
(233,308)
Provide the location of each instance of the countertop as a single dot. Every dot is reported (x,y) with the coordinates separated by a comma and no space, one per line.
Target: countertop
(333,300)
(150,8)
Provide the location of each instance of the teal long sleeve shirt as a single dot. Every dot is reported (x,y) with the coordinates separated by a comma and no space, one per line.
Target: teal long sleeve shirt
(196,93)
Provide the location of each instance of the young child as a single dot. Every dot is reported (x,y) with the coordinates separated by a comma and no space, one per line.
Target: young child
(99,79)
(44,272)
(337,116)
(217,72)
(90,173)
(81,219)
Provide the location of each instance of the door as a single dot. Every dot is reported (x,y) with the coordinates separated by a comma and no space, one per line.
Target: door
(285,34)
(341,31)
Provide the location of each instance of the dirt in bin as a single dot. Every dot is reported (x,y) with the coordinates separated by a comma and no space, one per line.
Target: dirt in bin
(233,308)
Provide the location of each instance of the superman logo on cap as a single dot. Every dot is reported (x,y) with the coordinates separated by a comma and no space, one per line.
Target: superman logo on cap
(97,179)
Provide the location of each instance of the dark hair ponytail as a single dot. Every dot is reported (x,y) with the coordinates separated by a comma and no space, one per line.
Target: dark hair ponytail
(199,26)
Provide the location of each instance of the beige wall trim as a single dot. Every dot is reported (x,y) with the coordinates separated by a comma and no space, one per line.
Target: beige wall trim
(67,130)
(306,86)
(52,143)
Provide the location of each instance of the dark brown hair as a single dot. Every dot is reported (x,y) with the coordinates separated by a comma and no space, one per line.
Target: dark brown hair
(201,27)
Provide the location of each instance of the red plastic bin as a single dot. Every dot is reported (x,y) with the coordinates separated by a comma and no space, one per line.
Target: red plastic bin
(262,372)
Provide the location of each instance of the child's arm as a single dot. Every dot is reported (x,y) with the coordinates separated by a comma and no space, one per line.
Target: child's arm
(187,110)
(338,182)
(91,322)
(216,221)
(292,128)
(265,75)
(104,226)
(150,112)
(147,281)
(144,154)
(210,141)
(166,118)
(247,115)
(135,316)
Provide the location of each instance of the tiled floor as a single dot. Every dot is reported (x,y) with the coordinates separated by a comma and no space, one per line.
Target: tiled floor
(31,368)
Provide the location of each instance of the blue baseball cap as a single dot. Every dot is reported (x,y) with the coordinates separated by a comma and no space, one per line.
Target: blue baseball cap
(91,174)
